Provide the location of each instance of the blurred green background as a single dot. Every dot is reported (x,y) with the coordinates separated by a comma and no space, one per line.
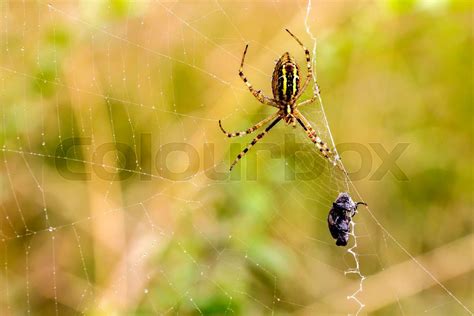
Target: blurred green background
(152,233)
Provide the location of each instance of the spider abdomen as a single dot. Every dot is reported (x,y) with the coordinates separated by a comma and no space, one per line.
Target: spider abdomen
(286,79)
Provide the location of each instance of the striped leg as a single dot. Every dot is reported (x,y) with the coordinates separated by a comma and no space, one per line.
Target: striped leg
(309,101)
(256,93)
(323,148)
(254,141)
(309,76)
(249,130)
(316,93)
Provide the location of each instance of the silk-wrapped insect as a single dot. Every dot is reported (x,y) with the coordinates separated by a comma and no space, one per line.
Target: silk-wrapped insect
(340,216)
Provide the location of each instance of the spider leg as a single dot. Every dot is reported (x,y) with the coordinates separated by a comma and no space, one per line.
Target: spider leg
(323,148)
(254,141)
(316,93)
(306,51)
(256,93)
(249,130)
(309,75)
(307,101)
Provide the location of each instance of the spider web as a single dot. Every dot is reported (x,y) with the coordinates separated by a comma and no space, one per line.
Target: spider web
(139,238)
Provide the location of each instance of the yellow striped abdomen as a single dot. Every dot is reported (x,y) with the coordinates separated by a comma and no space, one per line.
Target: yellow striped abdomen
(286,80)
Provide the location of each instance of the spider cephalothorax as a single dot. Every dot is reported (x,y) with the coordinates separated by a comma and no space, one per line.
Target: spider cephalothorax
(340,217)
(287,89)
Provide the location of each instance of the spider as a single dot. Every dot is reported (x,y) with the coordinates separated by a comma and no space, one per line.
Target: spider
(340,217)
(287,89)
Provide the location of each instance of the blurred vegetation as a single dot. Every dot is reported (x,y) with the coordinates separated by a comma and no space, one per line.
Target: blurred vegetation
(254,243)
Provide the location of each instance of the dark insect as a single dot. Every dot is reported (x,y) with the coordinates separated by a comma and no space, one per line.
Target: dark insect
(340,216)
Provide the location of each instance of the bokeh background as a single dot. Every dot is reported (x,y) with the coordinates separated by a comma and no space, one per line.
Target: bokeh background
(152,233)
